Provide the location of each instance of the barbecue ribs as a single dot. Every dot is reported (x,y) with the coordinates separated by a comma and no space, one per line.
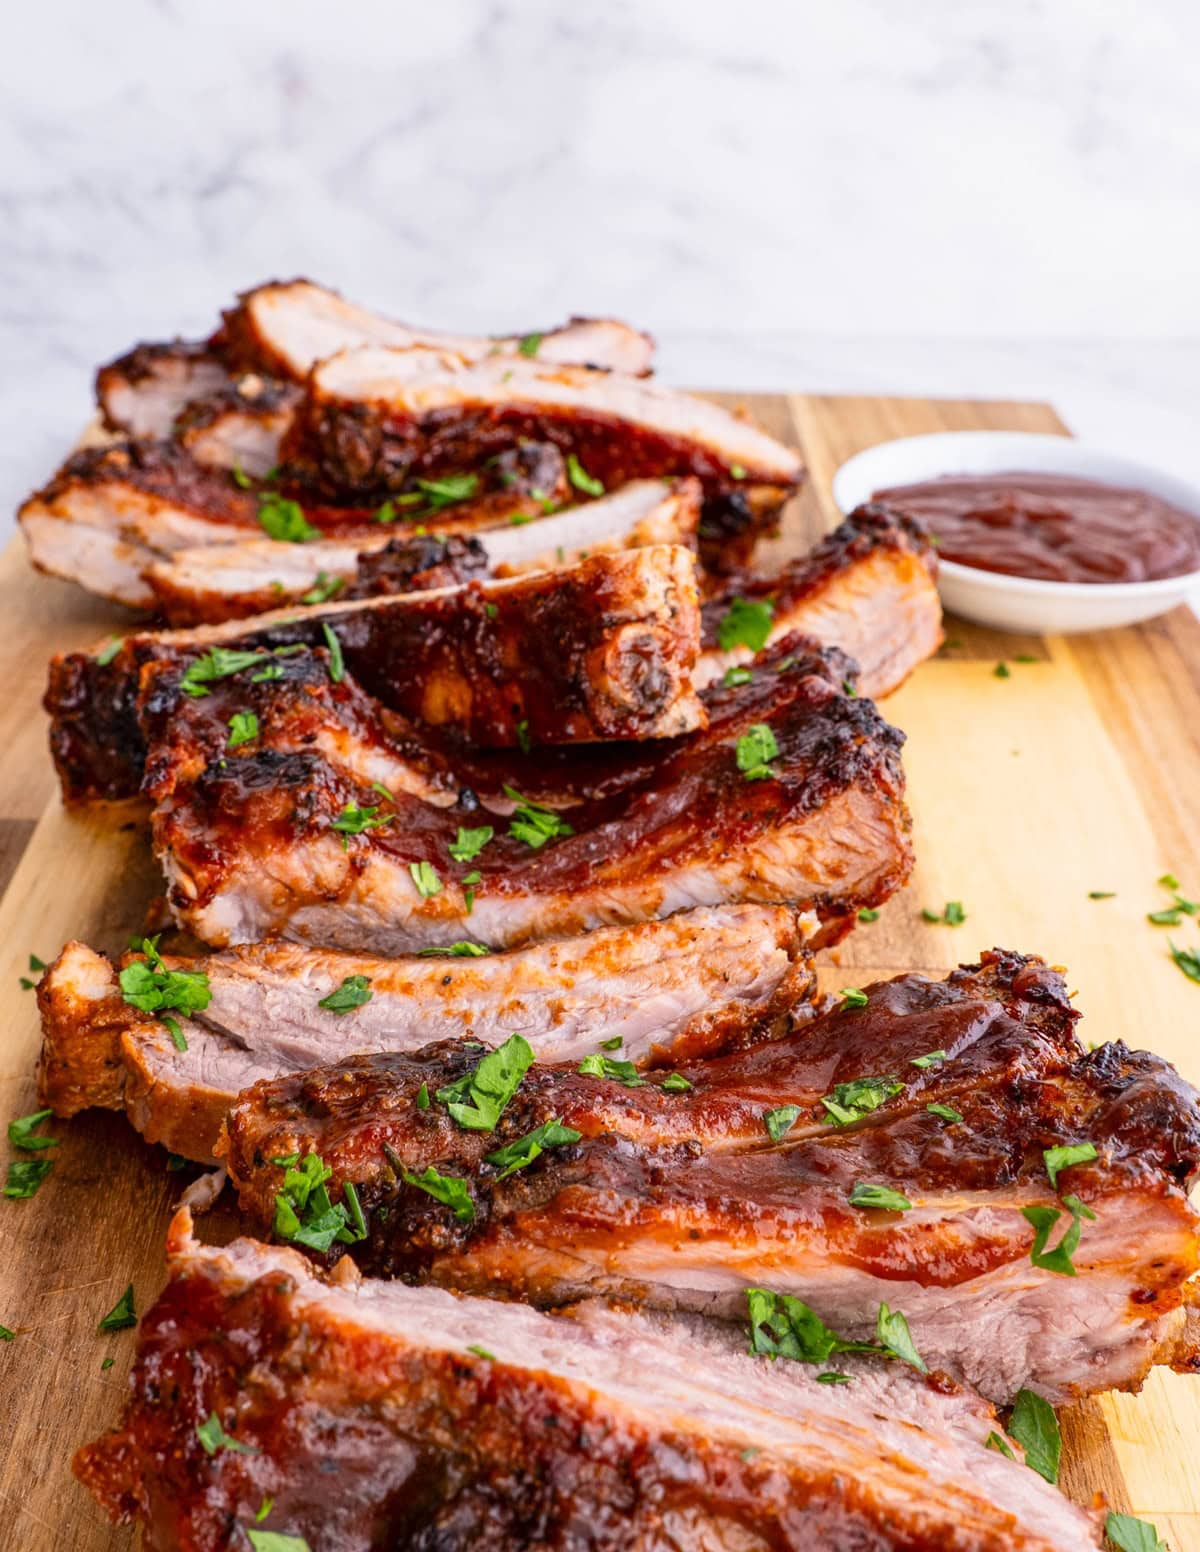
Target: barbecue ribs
(668,991)
(369,1416)
(744,1170)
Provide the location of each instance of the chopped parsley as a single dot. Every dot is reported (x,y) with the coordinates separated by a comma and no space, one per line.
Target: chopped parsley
(529,344)
(423,1097)
(149,986)
(675,1083)
(1102,894)
(1169,881)
(323,589)
(35,964)
(865,1194)
(746,623)
(523,740)
(1187,959)
(178,1038)
(450,1190)
(533,823)
(755,750)
(481,1352)
(21,1134)
(213,1437)
(999,1443)
(25,1177)
(425,877)
(216,663)
(283,519)
(1002,671)
(1035,1428)
(304,1213)
(737,471)
(109,650)
(832,1377)
(337,664)
(448,491)
(264,1508)
(780,1121)
(275,1541)
(1130,1534)
(243,729)
(867,914)
(386,513)
(784,1327)
(477,1100)
(613,1043)
(354,992)
(581,479)
(945,1112)
(463,949)
(467,844)
(1064,1157)
(1058,1259)
(849,1102)
(7,1335)
(516,1155)
(853,997)
(122,1315)
(952,914)
(353,821)
(735,676)
(1165,918)
(596,1066)
(930,1059)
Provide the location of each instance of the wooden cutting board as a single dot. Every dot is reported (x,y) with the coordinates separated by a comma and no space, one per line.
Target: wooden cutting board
(1078,772)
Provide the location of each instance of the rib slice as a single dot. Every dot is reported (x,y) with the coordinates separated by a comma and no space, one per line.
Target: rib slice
(383,1417)
(373,418)
(701,981)
(286,327)
(679,1199)
(211,583)
(280,330)
(113,511)
(253,841)
(869,587)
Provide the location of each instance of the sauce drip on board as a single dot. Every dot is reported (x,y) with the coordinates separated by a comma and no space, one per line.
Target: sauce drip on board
(1052,527)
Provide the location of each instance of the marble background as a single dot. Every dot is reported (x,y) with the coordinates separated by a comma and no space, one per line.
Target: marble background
(994,196)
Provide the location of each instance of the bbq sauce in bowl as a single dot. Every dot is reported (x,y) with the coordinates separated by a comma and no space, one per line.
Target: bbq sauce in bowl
(1052,527)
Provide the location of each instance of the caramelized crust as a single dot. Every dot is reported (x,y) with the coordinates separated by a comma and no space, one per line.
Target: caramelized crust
(379,1419)
(680,1199)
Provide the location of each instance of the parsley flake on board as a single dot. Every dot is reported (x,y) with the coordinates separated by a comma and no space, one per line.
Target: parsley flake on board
(1130,1534)
(780,1121)
(755,750)
(867,914)
(304,1213)
(1188,960)
(283,519)
(1035,1428)
(1063,1158)
(952,914)
(1102,894)
(7,1335)
(450,1190)
(516,1155)
(243,729)
(596,1066)
(213,1438)
(25,1178)
(122,1315)
(1043,1219)
(532,822)
(21,1133)
(467,844)
(848,1102)
(478,1098)
(354,992)
(865,1194)
(746,623)
(581,479)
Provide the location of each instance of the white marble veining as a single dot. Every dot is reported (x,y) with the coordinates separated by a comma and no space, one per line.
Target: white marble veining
(993,196)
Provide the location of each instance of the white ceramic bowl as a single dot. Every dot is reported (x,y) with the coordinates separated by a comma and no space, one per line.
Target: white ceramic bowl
(1017,603)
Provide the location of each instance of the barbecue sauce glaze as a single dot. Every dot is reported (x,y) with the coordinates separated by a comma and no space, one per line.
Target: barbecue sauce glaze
(1052,527)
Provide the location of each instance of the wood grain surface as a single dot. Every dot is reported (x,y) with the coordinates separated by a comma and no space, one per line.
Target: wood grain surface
(1078,772)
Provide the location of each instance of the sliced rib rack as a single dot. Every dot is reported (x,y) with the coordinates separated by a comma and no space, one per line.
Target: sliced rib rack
(371,1416)
(947,1146)
(665,991)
